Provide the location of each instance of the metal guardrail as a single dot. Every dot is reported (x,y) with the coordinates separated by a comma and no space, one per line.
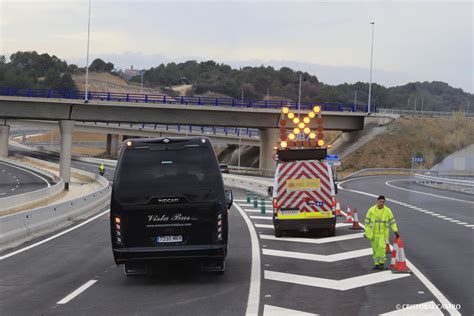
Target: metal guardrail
(420,113)
(182,100)
(215,130)
(466,186)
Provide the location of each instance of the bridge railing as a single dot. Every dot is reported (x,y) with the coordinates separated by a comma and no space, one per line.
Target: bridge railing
(179,100)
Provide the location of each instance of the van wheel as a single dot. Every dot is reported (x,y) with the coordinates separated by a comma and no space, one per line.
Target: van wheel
(278,233)
(332,232)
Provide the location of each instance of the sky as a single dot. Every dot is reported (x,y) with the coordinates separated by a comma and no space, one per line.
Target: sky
(413,40)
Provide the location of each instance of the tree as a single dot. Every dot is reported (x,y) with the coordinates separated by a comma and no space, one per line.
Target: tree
(99,65)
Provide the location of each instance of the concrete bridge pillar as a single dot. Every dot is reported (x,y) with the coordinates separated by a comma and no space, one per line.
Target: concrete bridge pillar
(350,137)
(66,127)
(268,140)
(112,145)
(4,135)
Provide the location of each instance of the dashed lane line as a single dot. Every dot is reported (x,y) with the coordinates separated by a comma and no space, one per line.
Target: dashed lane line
(408,205)
(433,289)
(26,170)
(341,285)
(313,241)
(78,291)
(420,192)
(314,257)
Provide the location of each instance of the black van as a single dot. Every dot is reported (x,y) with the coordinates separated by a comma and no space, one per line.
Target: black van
(168,201)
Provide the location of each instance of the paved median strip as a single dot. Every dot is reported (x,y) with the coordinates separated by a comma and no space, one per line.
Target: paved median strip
(81,289)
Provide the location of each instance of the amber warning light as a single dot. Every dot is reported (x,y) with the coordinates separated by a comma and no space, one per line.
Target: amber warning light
(296,132)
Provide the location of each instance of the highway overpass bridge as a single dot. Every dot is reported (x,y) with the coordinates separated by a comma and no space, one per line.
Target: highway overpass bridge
(262,116)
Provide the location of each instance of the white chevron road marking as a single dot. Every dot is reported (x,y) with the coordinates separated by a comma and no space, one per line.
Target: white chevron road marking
(271,226)
(322,258)
(313,241)
(340,285)
(269,310)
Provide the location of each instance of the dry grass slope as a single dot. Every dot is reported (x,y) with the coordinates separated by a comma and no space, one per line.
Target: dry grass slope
(433,138)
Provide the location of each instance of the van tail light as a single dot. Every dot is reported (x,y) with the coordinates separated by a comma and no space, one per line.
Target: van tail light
(220,222)
(275,206)
(118,230)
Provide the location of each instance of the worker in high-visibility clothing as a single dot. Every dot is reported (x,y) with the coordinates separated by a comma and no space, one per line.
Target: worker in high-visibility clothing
(101,169)
(378,221)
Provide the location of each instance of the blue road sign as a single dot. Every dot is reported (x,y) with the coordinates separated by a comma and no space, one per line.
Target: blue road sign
(332,157)
(417,159)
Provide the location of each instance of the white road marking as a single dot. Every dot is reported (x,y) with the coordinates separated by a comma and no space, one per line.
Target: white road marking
(261,217)
(436,195)
(433,289)
(426,308)
(78,291)
(440,216)
(256,211)
(53,237)
(269,204)
(269,310)
(3,193)
(313,241)
(469,225)
(462,223)
(253,300)
(271,226)
(264,226)
(26,170)
(322,258)
(341,285)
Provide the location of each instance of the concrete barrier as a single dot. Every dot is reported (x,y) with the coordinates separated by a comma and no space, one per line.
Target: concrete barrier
(259,185)
(19,200)
(18,228)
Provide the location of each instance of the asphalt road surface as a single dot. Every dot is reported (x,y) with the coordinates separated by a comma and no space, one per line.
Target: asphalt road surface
(17,180)
(299,274)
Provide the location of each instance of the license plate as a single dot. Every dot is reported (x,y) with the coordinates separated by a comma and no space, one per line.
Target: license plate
(289,212)
(163,239)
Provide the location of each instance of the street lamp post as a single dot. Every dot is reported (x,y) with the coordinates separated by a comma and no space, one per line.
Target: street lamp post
(86,97)
(240,145)
(141,84)
(371,58)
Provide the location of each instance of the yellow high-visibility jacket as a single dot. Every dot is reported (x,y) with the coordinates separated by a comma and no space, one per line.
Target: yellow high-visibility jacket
(378,221)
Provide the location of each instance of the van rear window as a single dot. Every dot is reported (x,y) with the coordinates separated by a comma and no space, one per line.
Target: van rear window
(145,173)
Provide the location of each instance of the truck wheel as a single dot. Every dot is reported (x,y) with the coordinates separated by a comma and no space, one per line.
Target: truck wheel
(332,232)
(278,233)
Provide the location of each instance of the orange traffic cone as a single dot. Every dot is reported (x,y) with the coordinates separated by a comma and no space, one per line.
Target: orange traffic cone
(401,264)
(338,209)
(393,260)
(355,223)
(348,215)
(387,247)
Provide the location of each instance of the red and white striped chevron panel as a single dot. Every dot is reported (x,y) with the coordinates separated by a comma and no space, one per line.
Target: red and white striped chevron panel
(305,200)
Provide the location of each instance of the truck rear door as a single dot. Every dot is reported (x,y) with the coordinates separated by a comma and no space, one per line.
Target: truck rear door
(304,190)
